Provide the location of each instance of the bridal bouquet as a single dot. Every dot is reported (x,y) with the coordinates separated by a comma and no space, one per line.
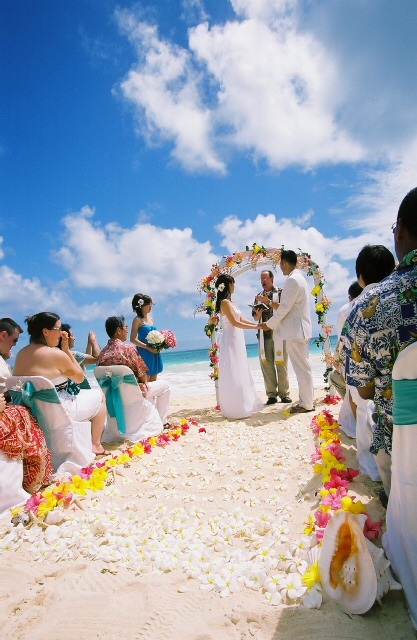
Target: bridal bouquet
(161,339)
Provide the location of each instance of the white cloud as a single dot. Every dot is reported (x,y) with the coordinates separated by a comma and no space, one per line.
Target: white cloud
(194,11)
(167,262)
(26,295)
(164,89)
(256,85)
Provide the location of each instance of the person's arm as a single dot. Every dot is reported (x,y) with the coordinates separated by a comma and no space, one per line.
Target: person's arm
(136,363)
(3,403)
(66,362)
(226,309)
(288,298)
(136,324)
(93,348)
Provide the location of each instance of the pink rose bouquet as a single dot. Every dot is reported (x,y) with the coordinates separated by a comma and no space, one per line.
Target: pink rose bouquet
(161,339)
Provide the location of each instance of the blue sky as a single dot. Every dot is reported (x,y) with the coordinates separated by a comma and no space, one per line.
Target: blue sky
(142,141)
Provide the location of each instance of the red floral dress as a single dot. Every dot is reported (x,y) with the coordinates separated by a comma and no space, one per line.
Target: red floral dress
(21,438)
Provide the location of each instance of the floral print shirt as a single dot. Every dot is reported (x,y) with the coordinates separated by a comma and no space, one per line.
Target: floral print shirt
(379,326)
(118,352)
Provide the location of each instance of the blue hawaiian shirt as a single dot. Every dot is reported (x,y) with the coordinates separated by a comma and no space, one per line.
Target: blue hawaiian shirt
(379,326)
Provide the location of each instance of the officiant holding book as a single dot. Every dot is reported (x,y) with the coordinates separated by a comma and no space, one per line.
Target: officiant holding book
(274,365)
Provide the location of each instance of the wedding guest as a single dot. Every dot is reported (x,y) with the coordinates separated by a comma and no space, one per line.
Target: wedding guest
(42,358)
(92,350)
(347,413)
(373,264)
(141,326)
(292,318)
(21,438)
(275,373)
(9,335)
(118,351)
(383,323)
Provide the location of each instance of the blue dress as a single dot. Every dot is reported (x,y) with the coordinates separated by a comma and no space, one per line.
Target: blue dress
(152,360)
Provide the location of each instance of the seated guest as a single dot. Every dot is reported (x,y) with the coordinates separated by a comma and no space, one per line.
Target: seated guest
(21,438)
(9,335)
(118,351)
(42,358)
(92,350)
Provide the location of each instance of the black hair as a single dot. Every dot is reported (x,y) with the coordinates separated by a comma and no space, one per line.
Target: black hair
(224,292)
(355,290)
(374,263)
(139,300)
(40,321)
(269,272)
(113,323)
(408,212)
(289,256)
(9,325)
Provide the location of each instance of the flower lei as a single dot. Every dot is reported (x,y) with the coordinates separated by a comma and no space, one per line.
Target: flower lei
(329,462)
(94,477)
(251,258)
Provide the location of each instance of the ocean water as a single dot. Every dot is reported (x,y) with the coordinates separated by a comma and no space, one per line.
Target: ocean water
(188,372)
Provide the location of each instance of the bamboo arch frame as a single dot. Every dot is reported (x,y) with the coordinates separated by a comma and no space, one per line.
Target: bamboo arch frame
(241,262)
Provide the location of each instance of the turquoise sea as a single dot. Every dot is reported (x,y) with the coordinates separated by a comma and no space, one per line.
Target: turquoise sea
(173,358)
(188,372)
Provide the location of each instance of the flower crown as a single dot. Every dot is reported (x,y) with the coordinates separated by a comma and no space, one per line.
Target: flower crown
(221,287)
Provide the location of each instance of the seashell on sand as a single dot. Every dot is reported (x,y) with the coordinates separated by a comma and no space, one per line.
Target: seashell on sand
(353,571)
(346,568)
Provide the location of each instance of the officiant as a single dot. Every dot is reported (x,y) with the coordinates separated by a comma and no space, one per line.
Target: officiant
(274,366)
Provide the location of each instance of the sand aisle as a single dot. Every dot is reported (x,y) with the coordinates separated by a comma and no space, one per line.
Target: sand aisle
(213,500)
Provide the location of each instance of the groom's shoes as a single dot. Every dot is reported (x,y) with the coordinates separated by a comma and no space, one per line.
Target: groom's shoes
(286,399)
(271,400)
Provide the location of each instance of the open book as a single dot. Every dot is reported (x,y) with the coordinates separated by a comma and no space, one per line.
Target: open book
(259,306)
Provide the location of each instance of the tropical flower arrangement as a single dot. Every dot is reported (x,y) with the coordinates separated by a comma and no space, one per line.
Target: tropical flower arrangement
(253,257)
(160,340)
(214,361)
(329,462)
(96,476)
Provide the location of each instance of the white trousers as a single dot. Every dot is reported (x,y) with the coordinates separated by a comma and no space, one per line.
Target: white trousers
(298,354)
(160,394)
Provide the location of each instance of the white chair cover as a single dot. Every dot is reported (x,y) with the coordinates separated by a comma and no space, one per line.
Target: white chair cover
(364,435)
(11,478)
(141,417)
(400,539)
(68,441)
(346,418)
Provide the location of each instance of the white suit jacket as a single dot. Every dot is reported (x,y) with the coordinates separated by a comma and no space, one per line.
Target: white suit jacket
(292,317)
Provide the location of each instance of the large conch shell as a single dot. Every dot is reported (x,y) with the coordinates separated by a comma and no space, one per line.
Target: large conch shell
(346,568)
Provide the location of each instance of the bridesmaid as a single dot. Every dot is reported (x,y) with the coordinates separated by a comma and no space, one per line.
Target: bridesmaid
(141,326)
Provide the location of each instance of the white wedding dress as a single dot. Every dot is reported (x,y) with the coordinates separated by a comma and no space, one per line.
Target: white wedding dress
(237,394)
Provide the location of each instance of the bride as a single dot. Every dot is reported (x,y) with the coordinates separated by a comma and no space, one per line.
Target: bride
(237,395)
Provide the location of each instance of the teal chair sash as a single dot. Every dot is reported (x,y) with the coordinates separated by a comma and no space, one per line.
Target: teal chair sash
(27,395)
(404,410)
(113,397)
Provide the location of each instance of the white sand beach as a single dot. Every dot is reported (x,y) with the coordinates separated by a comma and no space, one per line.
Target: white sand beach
(155,554)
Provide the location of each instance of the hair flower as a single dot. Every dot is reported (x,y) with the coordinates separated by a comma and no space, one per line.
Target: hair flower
(140,302)
(221,287)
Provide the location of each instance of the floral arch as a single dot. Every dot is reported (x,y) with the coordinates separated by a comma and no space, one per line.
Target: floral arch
(242,261)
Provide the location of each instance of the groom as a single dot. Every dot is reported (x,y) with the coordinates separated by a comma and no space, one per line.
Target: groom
(292,317)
